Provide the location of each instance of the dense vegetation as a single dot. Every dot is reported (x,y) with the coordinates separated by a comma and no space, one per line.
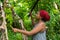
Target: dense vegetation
(22,9)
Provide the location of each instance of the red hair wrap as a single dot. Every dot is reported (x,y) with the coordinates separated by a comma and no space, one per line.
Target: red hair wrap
(44,14)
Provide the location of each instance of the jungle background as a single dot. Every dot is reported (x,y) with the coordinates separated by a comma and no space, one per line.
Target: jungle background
(23,8)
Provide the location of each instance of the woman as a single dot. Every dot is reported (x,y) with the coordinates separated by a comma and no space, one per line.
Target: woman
(39,31)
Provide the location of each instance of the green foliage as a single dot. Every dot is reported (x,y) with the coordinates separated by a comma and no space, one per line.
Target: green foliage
(23,7)
(14,36)
(1,0)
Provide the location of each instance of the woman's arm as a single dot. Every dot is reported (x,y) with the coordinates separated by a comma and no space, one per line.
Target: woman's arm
(39,27)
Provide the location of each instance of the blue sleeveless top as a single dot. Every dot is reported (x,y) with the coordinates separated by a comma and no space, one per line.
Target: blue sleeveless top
(40,36)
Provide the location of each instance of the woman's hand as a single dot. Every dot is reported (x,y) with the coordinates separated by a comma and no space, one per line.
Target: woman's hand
(15,29)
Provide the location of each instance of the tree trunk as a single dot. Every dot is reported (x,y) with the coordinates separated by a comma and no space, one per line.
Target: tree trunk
(20,21)
(4,35)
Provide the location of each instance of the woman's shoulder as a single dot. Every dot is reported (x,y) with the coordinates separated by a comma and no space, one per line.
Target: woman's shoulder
(42,23)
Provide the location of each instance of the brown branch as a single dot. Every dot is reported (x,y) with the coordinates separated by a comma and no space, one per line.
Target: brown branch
(20,21)
(31,12)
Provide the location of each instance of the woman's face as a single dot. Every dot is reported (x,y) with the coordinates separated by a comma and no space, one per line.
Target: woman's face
(38,15)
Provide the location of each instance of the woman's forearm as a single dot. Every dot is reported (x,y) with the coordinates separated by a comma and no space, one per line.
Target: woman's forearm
(37,29)
(24,32)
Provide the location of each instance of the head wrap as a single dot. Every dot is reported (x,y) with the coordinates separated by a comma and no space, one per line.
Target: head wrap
(45,15)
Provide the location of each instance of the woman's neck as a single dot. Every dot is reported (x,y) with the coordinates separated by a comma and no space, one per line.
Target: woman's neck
(39,21)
